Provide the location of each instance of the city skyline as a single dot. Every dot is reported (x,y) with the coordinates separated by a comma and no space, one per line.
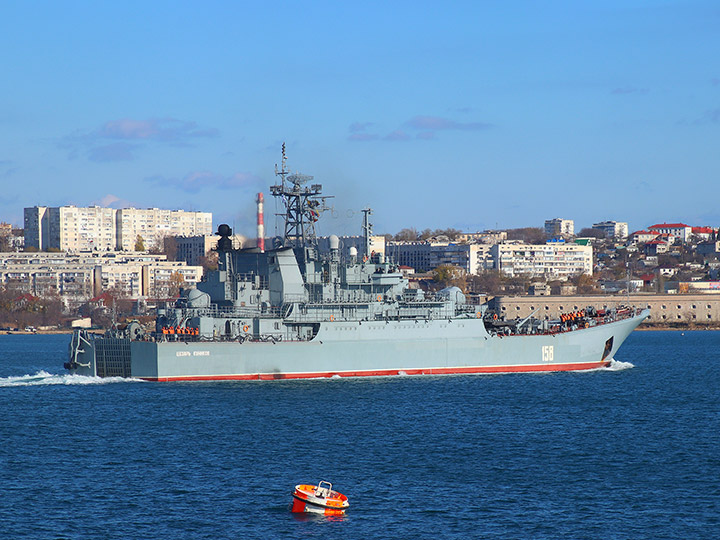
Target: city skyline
(470,115)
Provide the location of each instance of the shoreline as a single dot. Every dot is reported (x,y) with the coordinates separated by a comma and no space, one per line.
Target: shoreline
(687,328)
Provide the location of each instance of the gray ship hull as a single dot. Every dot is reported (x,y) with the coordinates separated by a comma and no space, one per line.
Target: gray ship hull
(349,349)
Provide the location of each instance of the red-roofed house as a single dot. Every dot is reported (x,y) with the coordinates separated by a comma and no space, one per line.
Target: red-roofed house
(647,279)
(655,247)
(702,233)
(103,300)
(679,230)
(643,236)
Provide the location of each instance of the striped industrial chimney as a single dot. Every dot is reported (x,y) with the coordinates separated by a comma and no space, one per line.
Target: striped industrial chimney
(260,223)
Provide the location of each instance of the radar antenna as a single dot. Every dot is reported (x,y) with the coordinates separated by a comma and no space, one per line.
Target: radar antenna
(367,229)
(303,205)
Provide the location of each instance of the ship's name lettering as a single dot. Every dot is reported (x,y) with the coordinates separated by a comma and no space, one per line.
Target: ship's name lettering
(194,353)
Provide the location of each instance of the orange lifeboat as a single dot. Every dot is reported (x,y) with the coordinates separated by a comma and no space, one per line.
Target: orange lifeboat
(320,499)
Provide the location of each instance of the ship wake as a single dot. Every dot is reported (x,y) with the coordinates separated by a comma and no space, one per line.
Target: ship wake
(43,378)
(616,365)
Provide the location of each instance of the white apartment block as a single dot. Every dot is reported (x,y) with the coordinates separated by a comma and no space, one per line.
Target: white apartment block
(613,229)
(153,224)
(551,260)
(426,256)
(70,228)
(559,227)
(36,225)
(77,278)
(153,279)
(94,228)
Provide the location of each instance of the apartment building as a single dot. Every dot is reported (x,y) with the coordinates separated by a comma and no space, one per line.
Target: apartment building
(559,227)
(95,228)
(70,228)
(553,260)
(153,224)
(426,256)
(156,279)
(76,278)
(613,229)
(678,230)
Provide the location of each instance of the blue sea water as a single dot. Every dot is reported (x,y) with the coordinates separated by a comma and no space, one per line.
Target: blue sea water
(628,452)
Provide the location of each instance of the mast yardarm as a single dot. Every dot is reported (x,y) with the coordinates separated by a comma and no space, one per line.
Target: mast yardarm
(303,205)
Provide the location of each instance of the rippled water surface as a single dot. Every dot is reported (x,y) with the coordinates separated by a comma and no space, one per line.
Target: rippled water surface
(626,452)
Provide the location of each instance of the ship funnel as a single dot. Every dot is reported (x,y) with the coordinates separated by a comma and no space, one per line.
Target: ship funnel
(260,223)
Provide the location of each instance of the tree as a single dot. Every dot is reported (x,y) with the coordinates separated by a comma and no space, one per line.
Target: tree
(588,232)
(426,234)
(102,317)
(51,311)
(451,233)
(529,235)
(450,276)
(489,282)
(176,283)
(407,235)
(210,261)
(120,300)
(586,284)
(516,284)
(139,243)
(660,284)
(19,309)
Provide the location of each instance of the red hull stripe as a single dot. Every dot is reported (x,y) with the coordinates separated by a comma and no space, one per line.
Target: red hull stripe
(385,372)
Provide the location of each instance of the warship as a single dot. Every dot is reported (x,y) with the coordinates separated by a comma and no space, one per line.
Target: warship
(292,312)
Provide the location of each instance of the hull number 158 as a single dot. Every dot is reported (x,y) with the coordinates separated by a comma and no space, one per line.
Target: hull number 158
(547,353)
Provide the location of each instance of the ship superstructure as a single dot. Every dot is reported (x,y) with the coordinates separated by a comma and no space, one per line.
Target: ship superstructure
(290,312)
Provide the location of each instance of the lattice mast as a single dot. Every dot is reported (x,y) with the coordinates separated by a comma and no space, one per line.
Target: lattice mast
(367,229)
(303,205)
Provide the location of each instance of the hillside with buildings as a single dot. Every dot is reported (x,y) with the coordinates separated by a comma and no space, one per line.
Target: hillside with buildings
(70,261)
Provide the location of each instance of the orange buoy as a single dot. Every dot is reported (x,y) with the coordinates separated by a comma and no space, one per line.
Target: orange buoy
(320,499)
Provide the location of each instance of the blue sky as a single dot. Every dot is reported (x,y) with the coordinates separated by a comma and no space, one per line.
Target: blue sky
(470,115)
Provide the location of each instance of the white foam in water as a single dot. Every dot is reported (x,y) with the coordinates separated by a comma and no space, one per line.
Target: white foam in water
(43,378)
(615,366)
